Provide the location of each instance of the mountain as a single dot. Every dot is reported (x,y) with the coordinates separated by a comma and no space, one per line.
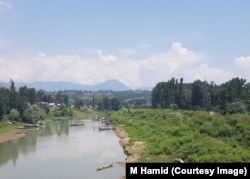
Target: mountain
(113,85)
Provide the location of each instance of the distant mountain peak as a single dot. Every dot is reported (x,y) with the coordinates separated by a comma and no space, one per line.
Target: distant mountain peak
(113,84)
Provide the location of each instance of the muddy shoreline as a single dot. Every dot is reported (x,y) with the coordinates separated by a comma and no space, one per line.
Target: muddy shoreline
(133,152)
(13,134)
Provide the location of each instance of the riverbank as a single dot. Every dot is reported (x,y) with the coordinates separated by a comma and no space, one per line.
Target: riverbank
(13,134)
(133,152)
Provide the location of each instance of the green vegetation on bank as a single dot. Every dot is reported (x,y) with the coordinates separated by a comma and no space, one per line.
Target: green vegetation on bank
(67,113)
(6,127)
(230,97)
(194,136)
(29,105)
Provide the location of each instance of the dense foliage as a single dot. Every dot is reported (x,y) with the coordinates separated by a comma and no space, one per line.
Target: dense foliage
(107,99)
(194,136)
(230,97)
(29,105)
(24,104)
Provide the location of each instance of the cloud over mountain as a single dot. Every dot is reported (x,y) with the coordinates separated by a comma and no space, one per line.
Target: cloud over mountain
(100,66)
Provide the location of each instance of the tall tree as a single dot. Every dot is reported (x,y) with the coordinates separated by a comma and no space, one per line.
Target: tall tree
(32,113)
(12,95)
(201,97)
(180,102)
(115,103)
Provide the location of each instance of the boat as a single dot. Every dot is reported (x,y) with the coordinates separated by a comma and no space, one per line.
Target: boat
(77,124)
(26,125)
(104,167)
(106,128)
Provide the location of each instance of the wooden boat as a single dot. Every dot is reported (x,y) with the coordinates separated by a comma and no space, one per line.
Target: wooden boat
(106,128)
(104,167)
(77,124)
(26,125)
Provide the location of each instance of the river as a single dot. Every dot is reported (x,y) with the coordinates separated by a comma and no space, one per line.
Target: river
(59,150)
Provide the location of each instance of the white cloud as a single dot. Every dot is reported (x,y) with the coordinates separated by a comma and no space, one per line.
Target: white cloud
(243,62)
(163,66)
(98,67)
(106,58)
(204,72)
(41,54)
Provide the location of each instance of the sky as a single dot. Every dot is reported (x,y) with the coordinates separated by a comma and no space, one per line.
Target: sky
(138,42)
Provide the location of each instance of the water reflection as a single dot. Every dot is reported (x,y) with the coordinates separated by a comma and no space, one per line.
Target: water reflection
(59,145)
(10,150)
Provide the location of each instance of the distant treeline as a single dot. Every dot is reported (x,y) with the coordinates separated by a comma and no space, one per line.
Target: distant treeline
(23,104)
(230,97)
(27,104)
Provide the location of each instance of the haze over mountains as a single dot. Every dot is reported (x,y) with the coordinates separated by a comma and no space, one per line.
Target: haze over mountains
(114,85)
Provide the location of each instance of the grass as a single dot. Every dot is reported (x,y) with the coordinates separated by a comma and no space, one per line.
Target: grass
(194,136)
(5,127)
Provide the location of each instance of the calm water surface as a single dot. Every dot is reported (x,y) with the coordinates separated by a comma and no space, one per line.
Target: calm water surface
(61,151)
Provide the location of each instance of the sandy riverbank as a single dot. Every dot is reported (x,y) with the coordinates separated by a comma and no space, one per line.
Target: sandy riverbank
(13,134)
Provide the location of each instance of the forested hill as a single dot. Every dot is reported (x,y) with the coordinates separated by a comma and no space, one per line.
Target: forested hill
(231,96)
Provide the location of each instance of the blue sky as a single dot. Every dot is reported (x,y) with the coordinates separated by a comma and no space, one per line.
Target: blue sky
(139,42)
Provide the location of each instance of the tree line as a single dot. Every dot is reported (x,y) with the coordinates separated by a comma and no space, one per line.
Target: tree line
(229,97)
(25,104)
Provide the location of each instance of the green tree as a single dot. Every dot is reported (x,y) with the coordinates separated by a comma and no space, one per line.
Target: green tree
(3,102)
(66,100)
(32,113)
(201,97)
(115,103)
(12,95)
(14,115)
(32,95)
(235,88)
(107,103)
(223,100)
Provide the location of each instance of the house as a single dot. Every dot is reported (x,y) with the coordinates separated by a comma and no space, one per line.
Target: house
(50,106)
(53,106)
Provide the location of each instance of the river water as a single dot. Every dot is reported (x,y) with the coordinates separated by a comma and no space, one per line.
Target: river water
(61,151)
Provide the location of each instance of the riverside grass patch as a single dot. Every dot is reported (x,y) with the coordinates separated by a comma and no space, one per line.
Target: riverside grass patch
(194,136)
(6,127)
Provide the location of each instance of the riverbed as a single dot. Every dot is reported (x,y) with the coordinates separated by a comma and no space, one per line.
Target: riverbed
(59,150)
